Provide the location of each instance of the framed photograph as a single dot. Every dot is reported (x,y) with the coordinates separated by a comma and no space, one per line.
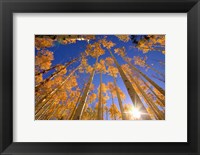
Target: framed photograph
(99,77)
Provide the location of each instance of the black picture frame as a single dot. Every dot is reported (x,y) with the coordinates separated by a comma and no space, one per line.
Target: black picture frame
(8,7)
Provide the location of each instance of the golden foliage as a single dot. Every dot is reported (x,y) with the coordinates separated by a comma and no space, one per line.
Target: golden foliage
(150,112)
(114,112)
(91,87)
(49,84)
(89,114)
(43,59)
(74,94)
(70,39)
(73,83)
(102,62)
(161,96)
(120,51)
(124,38)
(66,39)
(106,109)
(61,95)
(61,69)
(94,50)
(41,43)
(107,44)
(105,98)
(154,42)
(92,97)
(126,68)
(84,62)
(140,61)
(47,87)
(128,59)
(122,95)
(104,88)
(109,61)
(112,71)
(38,78)
(160,39)
(110,86)
(81,70)
(89,69)
(58,79)
(101,66)
(84,65)
(89,37)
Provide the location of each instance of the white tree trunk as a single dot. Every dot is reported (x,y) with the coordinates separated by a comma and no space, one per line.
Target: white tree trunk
(83,99)
(119,100)
(159,99)
(47,97)
(53,75)
(145,76)
(157,112)
(99,116)
(132,93)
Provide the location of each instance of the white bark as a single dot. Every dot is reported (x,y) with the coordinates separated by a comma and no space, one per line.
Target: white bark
(132,93)
(83,99)
(99,116)
(146,77)
(119,100)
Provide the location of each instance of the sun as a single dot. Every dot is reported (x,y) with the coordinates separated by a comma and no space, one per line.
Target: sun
(136,113)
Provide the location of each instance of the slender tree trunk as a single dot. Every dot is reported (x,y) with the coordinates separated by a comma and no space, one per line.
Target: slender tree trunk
(102,111)
(146,77)
(73,112)
(48,112)
(78,100)
(160,100)
(44,100)
(158,78)
(53,75)
(81,105)
(158,113)
(39,111)
(40,117)
(45,71)
(62,112)
(119,100)
(156,71)
(99,117)
(55,110)
(132,93)
(106,114)
(112,97)
(53,67)
(41,108)
(43,111)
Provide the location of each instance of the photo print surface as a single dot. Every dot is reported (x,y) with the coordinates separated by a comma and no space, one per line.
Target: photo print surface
(100,77)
